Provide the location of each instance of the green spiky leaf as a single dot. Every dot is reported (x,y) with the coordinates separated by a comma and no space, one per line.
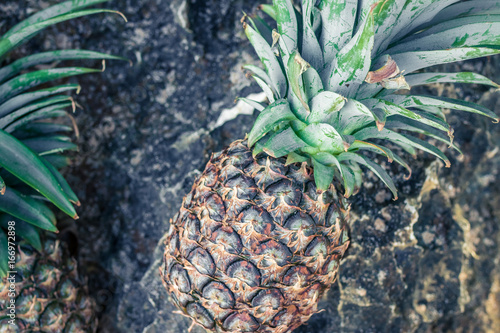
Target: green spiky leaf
(461,77)
(392,108)
(442,102)
(353,61)
(414,14)
(312,83)
(349,180)
(417,127)
(385,134)
(268,59)
(22,162)
(269,10)
(24,99)
(62,182)
(11,40)
(29,80)
(287,26)
(24,230)
(274,114)
(338,19)
(377,169)
(311,49)
(323,175)
(354,115)
(52,111)
(53,11)
(323,136)
(324,106)
(386,14)
(46,145)
(283,142)
(19,65)
(21,112)
(272,94)
(256,105)
(40,129)
(58,161)
(414,60)
(480,30)
(27,209)
(297,66)
(460,9)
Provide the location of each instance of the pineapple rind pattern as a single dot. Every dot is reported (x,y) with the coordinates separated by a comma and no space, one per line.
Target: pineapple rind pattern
(255,244)
(50,295)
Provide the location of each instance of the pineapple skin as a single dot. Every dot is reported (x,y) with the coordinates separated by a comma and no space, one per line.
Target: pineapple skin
(255,245)
(50,296)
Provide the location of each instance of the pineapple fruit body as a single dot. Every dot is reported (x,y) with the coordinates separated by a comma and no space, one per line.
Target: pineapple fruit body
(254,245)
(50,296)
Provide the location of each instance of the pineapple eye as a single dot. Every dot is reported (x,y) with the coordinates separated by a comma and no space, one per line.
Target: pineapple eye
(285,316)
(215,207)
(179,278)
(317,246)
(228,238)
(245,272)
(285,192)
(29,302)
(259,218)
(218,291)
(192,225)
(202,261)
(67,289)
(209,177)
(331,265)
(74,324)
(275,250)
(270,298)
(241,322)
(244,186)
(301,221)
(52,315)
(200,315)
(174,243)
(296,274)
(313,292)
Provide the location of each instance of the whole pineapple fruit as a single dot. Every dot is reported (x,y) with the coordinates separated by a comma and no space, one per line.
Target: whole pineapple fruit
(254,242)
(50,296)
(259,238)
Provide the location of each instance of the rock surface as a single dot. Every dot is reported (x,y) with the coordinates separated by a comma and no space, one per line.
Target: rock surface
(428,262)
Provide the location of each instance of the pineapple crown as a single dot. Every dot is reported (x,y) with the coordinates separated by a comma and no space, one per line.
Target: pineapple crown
(31,143)
(335,69)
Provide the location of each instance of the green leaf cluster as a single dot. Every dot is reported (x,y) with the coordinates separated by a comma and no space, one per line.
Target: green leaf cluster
(33,136)
(337,73)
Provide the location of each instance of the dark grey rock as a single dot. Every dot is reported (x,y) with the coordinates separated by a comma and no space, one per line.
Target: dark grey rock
(428,262)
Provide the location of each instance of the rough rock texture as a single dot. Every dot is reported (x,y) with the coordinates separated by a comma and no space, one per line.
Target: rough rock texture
(428,262)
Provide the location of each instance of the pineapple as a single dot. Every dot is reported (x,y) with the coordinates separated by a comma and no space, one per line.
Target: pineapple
(31,147)
(258,240)
(50,296)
